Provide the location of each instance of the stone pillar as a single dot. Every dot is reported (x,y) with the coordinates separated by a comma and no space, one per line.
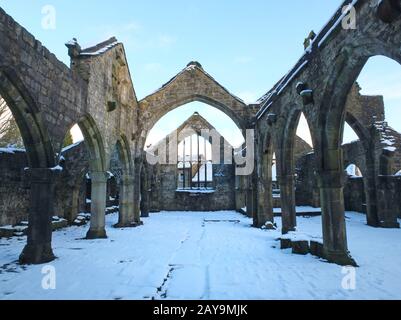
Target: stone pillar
(98,206)
(371,189)
(331,184)
(250,198)
(288,206)
(126,202)
(264,211)
(388,214)
(240,196)
(137,191)
(145,199)
(38,249)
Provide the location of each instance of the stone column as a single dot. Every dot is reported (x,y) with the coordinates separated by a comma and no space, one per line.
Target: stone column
(98,206)
(38,249)
(137,191)
(331,184)
(240,191)
(250,198)
(126,216)
(264,211)
(145,199)
(388,214)
(371,189)
(288,207)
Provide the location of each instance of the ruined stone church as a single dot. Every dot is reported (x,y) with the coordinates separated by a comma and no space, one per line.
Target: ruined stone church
(46,185)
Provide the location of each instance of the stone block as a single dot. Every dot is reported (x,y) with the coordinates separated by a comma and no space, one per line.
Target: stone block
(300,247)
(390,224)
(60,224)
(285,244)
(316,249)
(6,232)
(21,230)
(79,221)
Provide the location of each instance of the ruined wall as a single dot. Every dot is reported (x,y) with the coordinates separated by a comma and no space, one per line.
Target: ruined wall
(165,197)
(58,95)
(71,185)
(306,187)
(72,188)
(354,195)
(163,178)
(14,196)
(389,195)
(389,187)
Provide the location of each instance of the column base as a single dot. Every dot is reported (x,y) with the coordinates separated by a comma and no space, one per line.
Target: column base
(373,224)
(340,258)
(37,254)
(128,225)
(260,222)
(288,230)
(96,234)
(257,225)
(269,226)
(144,215)
(389,225)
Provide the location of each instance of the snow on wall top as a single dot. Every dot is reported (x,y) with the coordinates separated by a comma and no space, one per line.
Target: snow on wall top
(387,135)
(267,100)
(192,66)
(100,48)
(11,150)
(71,146)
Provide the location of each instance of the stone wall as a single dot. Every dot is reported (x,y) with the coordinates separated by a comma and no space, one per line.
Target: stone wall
(163,178)
(54,93)
(354,195)
(72,186)
(389,196)
(165,197)
(307,191)
(14,196)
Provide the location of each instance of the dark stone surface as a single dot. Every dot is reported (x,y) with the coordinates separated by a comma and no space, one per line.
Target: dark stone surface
(300,247)
(285,244)
(316,249)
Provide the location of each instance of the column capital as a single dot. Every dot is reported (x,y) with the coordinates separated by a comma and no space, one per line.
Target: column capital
(99,177)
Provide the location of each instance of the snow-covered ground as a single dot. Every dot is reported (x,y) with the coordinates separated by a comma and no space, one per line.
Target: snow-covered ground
(203,256)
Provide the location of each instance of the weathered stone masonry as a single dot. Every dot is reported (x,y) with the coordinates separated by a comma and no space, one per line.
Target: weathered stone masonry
(318,86)
(168,198)
(47,99)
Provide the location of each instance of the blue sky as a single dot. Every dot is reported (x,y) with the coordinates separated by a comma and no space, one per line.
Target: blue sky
(246,45)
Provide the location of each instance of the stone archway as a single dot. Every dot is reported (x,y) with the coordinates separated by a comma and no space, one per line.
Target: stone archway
(36,140)
(40,173)
(286,168)
(98,167)
(128,216)
(193,84)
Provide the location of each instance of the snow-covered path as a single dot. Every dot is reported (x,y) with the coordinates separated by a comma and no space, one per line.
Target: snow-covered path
(203,256)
